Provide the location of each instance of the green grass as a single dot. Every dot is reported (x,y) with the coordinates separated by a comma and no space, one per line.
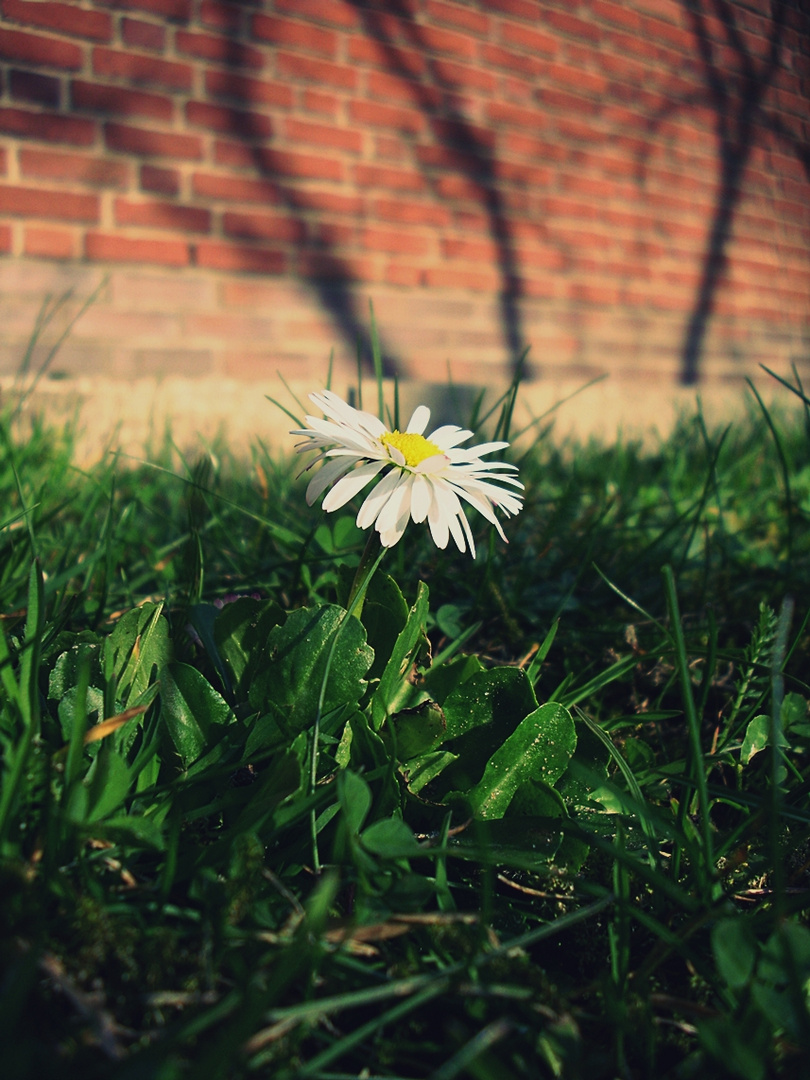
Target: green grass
(549,818)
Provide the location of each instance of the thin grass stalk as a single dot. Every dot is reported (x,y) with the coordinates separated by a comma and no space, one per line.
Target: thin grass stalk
(777,697)
(698,768)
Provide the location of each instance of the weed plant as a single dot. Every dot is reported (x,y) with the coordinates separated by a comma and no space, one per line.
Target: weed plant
(541,815)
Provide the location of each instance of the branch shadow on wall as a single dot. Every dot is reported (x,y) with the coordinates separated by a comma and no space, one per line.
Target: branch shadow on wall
(737,96)
(475,160)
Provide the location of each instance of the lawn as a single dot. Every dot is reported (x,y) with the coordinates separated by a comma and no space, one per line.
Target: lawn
(543,814)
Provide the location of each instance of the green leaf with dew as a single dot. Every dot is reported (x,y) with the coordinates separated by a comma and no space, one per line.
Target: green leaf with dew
(540,748)
(190,708)
(287,684)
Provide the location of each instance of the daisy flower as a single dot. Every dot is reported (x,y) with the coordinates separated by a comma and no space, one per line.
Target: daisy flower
(420,478)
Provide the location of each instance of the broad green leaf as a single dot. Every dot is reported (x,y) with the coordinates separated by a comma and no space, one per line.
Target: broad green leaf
(355,797)
(758,735)
(138,649)
(539,748)
(501,843)
(288,683)
(394,686)
(240,635)
(793,711)
(735,950)
(480,714)
(494,699)
(190,707)
(108,783)
(439,682)
(391,839)
(415,731)
(419,772)
(384,613)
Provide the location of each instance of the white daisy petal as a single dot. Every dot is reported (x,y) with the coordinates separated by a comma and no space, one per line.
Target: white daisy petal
(329,474)
(377,498)
(438,522)
(421,497)
(346,488)
(398,501)
(448,436)
(419,421)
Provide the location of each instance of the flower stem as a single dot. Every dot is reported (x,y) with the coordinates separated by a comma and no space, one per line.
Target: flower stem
(369,561)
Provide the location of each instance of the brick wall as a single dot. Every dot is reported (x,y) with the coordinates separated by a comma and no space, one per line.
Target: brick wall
(621,185)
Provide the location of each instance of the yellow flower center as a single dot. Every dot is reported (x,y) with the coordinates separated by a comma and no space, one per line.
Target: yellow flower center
(414,448)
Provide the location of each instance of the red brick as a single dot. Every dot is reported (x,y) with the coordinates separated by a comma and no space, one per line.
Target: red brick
(230,85)
(234,189)
(529,147)
(227,18)
(658,30)
(294,66)
(391,116)
(3,160)
(318,102)
(463,134)
(272,161)
(162,215)
(332,12)
(521,9)
(411,213)
(229,121)
(440,277)
(133,140)
(447,41)
(330,235)
(53,205)
(464,18)
(569,24)
(142,70)
(461,187)
(526,63)
(5,239)
(450,74)
(222,256)
(499,112)
(319,265)
(386,55)
(221,50)
(409,276)
(35,49)
(394,241)
(120,101)
(383,176)
(49,243)
(143,35)
(95,171)
(160,181)
(481,251)
(447,157)
(328,202)
(176,10)
(391,87)
(109,248)
(34,87)
(618,14)
(49,127)
(64,18)
(535,41)
(300,35)
(323,135)
(262,227)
